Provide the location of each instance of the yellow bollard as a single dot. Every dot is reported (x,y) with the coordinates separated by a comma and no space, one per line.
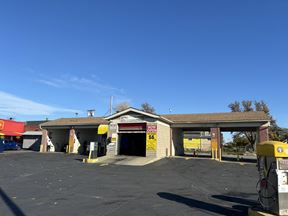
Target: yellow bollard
(67,149)
(220,155)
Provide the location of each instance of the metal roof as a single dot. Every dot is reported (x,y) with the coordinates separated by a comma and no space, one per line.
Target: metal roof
(171,118)
(75,121)
(32,133)
(218,117)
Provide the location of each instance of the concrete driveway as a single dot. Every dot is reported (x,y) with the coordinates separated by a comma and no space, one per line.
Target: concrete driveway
(59,184)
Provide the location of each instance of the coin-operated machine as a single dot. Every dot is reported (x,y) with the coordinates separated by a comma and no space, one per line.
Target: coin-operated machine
(273,172)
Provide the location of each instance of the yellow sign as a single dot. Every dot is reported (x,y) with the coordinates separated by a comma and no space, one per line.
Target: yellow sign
(151,141)
(1,124)
(194,143)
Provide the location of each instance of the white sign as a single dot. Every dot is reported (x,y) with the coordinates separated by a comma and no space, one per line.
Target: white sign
(130,118)
(113,126)
(92,146)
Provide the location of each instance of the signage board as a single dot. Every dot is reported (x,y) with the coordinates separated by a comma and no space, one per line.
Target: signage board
(151,128)
(151,137)
(130,118)
(151,141)
(113,127)
(11,128)
(114,138)
(92,146)
(132,126)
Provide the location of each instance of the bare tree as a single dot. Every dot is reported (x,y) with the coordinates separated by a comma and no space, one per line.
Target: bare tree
(146,107)
(121,106)
(247,106)
(235,106)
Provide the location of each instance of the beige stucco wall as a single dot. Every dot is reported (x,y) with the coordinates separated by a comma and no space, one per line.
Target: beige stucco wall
(163,140)
(128,118)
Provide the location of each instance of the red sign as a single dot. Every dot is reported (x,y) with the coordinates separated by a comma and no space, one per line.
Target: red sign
(11,128)
(151,128)
(132,126)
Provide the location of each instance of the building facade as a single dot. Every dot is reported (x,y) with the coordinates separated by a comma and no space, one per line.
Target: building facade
(138,133)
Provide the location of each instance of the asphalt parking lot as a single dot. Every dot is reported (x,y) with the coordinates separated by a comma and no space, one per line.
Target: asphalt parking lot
(59,184)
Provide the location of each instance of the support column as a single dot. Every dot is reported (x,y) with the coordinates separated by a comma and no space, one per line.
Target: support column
(216,143)
(263,134)
(177,142)
(44,141)
(71,141)
(74,143)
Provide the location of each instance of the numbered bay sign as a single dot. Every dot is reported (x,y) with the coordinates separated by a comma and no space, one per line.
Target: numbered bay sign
(151,137)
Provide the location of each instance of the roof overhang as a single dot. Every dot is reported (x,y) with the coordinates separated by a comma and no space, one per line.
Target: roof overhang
(68,123)
(32,133)
(225,126)
(90,126)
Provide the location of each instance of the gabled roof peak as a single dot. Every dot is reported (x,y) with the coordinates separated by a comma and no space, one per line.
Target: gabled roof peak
(131,109)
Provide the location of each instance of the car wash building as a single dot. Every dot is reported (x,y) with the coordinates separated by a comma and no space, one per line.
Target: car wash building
(137,133)
(74,135)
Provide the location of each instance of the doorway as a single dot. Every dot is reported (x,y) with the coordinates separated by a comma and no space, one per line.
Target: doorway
(133,144)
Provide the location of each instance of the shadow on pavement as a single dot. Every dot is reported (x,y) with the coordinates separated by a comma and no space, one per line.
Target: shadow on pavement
(232,158)
(213,208)
(12,206)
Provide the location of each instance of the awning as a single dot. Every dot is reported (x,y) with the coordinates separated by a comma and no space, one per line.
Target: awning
(102,129)
(33,133)
(10,133)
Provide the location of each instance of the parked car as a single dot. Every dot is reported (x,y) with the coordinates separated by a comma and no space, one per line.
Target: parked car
(8,145)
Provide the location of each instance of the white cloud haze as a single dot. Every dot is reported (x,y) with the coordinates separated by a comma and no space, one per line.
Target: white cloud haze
(11,105)
(89,84)
(81,83)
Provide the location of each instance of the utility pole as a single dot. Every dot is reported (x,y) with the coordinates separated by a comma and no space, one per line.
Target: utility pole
(111,105)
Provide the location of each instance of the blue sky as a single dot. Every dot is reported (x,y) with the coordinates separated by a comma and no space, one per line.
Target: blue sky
(61,57)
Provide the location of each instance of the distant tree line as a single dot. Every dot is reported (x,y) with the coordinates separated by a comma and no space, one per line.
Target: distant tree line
(146,107)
